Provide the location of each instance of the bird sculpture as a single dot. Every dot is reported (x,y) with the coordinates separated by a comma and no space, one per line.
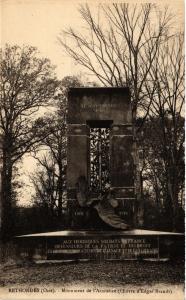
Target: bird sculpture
(105,205)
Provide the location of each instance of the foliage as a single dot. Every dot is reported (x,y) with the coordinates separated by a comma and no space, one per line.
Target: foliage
(163,166)
(27,84)
(164,131)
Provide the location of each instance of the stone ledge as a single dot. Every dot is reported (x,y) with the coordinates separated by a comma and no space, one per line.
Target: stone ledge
(134,244)
(100,233)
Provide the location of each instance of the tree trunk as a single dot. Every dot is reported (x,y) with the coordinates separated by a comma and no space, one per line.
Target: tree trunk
(138,213)
(175,205)
(60,190)
(173,191)
(6,203)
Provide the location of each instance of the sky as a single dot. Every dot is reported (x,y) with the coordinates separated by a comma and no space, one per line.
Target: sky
(38,23)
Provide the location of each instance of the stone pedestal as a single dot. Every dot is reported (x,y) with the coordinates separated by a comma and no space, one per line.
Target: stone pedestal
(105,245)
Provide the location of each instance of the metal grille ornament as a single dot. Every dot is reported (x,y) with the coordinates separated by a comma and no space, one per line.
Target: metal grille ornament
(99,159)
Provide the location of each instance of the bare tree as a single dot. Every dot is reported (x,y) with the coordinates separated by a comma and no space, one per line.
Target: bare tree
(133,45)
(50,178)
(164,128)
(167,106)
(163,178)
(27,84)
(45,182)
(120,45)
(53,164)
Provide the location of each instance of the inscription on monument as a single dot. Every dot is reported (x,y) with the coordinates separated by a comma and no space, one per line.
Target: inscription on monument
(98,107)
(105,248)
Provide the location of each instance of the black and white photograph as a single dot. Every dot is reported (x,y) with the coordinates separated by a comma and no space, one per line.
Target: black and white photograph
(92,167)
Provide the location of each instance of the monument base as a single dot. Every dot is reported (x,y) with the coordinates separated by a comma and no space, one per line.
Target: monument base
(100,245)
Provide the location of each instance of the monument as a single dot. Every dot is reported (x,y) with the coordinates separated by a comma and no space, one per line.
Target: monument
(100,188)
(100,150)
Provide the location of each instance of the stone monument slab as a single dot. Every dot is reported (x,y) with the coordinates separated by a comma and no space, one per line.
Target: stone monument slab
(101,245)
(108,108)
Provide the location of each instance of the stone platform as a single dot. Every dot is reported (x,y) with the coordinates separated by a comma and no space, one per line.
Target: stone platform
(101,245)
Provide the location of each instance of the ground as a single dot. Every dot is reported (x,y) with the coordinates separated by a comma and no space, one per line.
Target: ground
(99,274)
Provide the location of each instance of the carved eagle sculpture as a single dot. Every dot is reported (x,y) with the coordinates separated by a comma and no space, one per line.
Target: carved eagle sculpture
(104,206)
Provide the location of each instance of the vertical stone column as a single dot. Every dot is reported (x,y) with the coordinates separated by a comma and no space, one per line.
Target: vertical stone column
(122,169)
(77,158)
